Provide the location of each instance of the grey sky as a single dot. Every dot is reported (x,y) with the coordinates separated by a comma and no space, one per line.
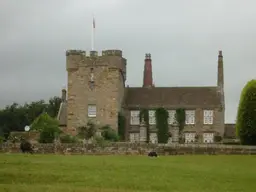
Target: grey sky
(183,37)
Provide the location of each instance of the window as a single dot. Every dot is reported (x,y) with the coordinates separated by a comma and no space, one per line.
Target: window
(190,117)
(208,137)
(135,118)
(153,138)
(152,117)
(92,110)
(208,117)
(134,137)
(172,118)
(190,137)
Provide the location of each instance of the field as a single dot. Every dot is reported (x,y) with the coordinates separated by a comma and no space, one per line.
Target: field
(55,173)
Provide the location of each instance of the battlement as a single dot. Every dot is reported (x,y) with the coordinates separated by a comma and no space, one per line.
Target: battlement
(75,52)
(112,53)
(109,52)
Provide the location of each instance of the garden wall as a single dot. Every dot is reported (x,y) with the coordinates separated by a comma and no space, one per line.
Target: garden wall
(133,149)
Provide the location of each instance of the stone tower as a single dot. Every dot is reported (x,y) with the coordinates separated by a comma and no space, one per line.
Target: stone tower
(96,85)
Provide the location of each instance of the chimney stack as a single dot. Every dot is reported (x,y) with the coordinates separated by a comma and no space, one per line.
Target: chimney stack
(64,95)
(220,71)
(147,78)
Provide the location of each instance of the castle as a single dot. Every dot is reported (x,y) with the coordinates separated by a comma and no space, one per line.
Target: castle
(96,91)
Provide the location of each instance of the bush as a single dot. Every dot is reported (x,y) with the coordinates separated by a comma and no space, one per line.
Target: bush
(48,128)
(88,131)
(246,115)
(217,138)
(121,126)
(100,141)
(68,139)
(109,134)
(1,139)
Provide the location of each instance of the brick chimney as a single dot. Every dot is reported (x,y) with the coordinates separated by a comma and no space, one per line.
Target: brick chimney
(147,78)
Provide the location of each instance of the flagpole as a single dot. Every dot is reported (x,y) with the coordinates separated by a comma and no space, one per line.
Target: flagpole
(93,33)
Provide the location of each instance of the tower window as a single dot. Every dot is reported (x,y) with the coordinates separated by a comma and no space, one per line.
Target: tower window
(92,111)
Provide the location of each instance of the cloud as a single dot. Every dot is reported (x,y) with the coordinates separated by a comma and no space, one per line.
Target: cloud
(183,37)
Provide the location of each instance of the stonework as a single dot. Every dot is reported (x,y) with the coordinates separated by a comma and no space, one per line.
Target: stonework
(133,149)
(95,80)
(99,81)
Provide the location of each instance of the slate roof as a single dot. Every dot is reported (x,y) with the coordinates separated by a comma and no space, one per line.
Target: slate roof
(62,114)
(172,96)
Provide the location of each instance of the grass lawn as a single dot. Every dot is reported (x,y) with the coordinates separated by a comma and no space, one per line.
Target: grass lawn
(55,173)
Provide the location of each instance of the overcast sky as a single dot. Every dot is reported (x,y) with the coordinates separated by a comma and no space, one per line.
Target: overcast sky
(183,37)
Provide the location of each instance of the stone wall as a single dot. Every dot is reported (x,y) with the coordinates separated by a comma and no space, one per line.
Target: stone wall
(133,149)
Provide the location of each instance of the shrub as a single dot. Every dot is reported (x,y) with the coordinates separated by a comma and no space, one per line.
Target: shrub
(68,139)
(180,117)
(109,134)
(88,131)
(100,141)
(121,126)
(246,115)
(217,138)
(1,139)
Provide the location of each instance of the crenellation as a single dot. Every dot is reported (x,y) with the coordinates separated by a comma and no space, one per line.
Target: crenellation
(75,52)
(112,52)
(93,53)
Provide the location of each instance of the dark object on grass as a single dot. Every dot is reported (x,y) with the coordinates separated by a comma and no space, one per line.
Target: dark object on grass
(26,147)
(152,154)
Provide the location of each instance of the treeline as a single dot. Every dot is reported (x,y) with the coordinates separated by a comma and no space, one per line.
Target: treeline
(15,117)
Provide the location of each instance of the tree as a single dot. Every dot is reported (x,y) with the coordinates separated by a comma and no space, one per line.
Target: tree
(162,125)
(54,106)
(246,115)
(15,117)
(180,117)
(47,126)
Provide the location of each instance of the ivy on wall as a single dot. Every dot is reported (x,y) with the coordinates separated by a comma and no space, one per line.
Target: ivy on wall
(180,117)
(162,116)
(145,115)
(121,126)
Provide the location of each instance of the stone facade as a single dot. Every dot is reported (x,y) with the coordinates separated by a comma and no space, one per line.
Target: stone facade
(98,81)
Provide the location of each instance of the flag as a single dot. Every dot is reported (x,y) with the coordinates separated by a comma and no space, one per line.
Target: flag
(93,23)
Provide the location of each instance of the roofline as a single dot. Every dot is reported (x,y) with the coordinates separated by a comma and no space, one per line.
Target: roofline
(172,87)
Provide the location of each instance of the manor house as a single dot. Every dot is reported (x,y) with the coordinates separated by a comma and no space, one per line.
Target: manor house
(96,91)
